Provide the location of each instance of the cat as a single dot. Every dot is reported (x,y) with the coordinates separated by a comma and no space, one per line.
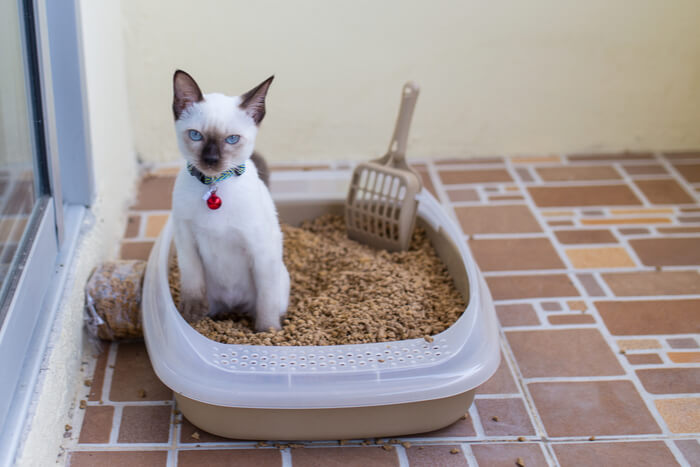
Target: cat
(227,235)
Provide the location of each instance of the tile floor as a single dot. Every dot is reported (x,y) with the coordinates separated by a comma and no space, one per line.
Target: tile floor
(594,264)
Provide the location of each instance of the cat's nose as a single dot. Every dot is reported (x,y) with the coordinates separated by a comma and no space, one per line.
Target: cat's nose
(210,154)
(211,158)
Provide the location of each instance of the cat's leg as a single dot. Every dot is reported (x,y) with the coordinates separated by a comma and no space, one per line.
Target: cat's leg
(272,286)
(193,302)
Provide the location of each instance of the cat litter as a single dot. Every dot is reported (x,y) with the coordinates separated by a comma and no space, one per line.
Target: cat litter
(344,292)
(361,390)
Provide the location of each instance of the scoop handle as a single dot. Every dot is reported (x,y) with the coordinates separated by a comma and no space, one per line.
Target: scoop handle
(396,156)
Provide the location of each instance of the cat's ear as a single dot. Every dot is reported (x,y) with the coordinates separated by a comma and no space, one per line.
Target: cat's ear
(253,101)
(185,92)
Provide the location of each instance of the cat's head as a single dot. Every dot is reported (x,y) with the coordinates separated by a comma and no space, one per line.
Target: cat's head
(216,132)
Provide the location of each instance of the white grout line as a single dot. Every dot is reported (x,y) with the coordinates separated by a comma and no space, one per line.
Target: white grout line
(402,455)
(476,421)
(116,425)
(469,454)
(172,458)
(286,457)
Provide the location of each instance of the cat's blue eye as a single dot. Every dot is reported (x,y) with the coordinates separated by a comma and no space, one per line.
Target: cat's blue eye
(232,139)
(195,135)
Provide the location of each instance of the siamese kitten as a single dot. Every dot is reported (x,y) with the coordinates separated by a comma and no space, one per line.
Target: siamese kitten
(227,235)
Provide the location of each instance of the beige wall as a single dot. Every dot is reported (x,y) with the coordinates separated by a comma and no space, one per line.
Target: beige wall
(497,77)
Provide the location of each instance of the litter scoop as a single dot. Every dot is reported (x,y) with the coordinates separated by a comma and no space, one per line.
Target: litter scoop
(381,206)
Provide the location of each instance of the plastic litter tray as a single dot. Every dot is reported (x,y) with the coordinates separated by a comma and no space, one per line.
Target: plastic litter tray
(326,392)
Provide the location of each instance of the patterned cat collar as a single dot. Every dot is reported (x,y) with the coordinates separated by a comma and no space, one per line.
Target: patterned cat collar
(212,199)
(207,180)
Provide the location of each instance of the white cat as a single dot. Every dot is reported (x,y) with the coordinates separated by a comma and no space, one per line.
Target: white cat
(227,235)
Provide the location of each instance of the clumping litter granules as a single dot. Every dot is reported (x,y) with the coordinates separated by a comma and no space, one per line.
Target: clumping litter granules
(344,292)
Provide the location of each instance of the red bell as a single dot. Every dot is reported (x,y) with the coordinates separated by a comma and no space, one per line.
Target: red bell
(214,202)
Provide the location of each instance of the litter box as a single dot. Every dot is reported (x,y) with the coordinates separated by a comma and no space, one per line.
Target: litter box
(326,392)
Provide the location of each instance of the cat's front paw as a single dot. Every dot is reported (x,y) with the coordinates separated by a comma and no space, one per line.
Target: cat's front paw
(265,323)
(193,309)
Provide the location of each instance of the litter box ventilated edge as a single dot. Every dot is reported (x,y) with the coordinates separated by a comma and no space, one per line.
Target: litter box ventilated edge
(351,357)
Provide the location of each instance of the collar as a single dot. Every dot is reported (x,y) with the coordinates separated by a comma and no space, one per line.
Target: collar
(207,180)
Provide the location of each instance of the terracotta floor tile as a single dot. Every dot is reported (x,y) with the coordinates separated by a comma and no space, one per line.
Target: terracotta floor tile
(681,415)
(155,192)
(560,223)
(504,417)
(577,305)
(678,230)
(145,424)
(506,455)
(371,456)
(590,285)
(644,359)
(592,408)
(469,160)
(497,219)
(136,250)
(450,177)
(682,343)
(682,155)
(638,344)
(557,213)
(651,169)
(627,220)
(574,236)
(187,430)
(664,192)
(97,424)
(634,231)
(464,194)
(520,314)
(132,226)
(690,449)
(460,429)
(506,198)
(551,306)
(501,382)
(684,357)
(691,172)
(534,286)
(133,373)
(581,172)
(670,380)
(563,352)
(155,224)
(229,458)
(605,195)
(431,456)
(641,453)
(118,458)
(578,318)
(625,284)
(524,174)
(98,376)
(594,258)
(651,317)
(624,157)
(510,254)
